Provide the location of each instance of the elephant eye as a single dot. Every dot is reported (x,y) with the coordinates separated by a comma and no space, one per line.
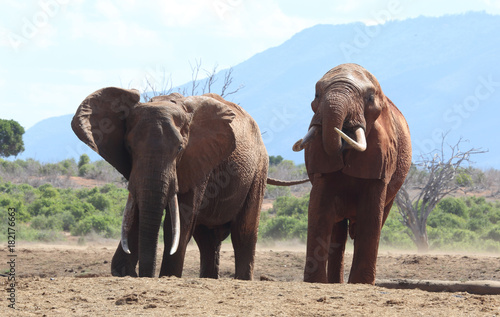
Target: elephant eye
(316,96)
(180,148)
(371,98)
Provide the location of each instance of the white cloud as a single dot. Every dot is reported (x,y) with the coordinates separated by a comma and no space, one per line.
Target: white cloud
(108,10)
(98,43)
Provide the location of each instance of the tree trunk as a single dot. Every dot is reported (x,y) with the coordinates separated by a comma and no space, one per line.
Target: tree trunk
(420,238)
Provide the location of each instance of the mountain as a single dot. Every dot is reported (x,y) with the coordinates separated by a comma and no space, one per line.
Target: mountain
(443,74)
(53,140)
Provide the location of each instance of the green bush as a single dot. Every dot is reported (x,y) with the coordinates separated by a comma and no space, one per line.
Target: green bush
(494,233)
(42,222)
(394,234)
(454,206)
(274,192)
(84,159)
(445,220)
(100,202)
(286,220)
(86,170)
(99,223)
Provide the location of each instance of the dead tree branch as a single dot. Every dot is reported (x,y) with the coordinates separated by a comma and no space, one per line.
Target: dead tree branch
(440,168)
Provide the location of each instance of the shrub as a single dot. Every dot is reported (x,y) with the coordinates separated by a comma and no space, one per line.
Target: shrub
(274,192)
(494,233)
(446,220)
(84,159)
(286,220)
(86,170)
(47,191)
(100,202)
(42,222)
(455,206)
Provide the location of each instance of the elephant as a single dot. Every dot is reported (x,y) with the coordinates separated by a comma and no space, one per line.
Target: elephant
(357,155)
(201,159)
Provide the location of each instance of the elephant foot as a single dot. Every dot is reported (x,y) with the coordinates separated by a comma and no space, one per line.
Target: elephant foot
(123,271)
(123,264)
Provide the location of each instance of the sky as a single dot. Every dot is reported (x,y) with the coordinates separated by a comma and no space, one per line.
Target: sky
(54,53)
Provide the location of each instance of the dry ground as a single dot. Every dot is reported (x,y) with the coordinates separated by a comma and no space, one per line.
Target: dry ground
(61,280)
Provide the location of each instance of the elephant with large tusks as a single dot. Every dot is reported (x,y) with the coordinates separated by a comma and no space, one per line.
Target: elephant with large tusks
(357,154)
(200,159)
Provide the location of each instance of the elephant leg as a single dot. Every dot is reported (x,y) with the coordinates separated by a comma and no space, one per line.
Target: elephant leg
(369,219)
(124,264)
(319,229)
(387,209)
(244,232)
(172,265)
(336,252)
(209,243)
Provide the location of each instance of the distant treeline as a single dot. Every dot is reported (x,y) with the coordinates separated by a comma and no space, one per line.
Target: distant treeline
(47,207)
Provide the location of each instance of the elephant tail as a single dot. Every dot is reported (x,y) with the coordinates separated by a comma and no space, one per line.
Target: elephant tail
(279,182)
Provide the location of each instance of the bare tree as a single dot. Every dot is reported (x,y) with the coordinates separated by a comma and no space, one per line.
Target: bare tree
(163,85)
(436,173)
(155,86)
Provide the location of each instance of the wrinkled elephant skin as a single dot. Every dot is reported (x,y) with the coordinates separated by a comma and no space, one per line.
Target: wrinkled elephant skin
(357,154)
(200,160)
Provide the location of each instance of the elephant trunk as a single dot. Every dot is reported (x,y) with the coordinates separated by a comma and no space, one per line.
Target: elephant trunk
(150,214)
(150,195)
(128,218)
(342,121)
(333,120)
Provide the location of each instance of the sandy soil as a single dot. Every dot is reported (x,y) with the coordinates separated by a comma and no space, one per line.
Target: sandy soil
(61,280)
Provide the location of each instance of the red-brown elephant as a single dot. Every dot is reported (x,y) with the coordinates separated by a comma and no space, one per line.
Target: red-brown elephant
(357,154)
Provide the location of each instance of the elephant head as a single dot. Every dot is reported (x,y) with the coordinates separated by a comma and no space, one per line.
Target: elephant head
(164,147)
(350,127)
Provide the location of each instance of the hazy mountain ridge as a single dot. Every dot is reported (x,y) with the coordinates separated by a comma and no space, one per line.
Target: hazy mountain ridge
(431,68)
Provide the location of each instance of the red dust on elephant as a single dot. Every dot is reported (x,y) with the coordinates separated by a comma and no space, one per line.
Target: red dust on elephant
(357,154)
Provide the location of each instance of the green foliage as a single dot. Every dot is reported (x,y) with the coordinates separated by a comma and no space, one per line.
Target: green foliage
(494,233)
(275,160)
(11,138)
(84,159)
(44,212)
(394,234)
(86,170)
(277,191)
(286,220)
(466,224)
(471,223)
(464,180)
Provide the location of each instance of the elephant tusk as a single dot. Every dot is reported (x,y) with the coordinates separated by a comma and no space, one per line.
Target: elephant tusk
(176,223)
(128,218)
(300,144)
(359,144)
(297,147)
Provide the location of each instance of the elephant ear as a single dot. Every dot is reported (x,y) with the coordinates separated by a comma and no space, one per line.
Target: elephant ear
(210,141)
(100,122)
(378,161)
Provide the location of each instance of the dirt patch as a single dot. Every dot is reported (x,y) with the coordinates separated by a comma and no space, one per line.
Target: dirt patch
(57,280)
